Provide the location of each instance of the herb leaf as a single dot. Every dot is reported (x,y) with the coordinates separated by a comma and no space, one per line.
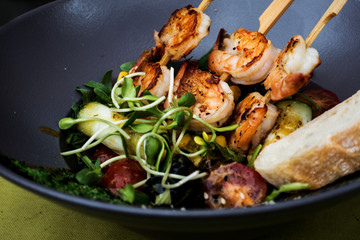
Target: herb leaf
(92,175)
(126,66)
(128,193)
(86,94)
(128,89)
(132,196)
(142,128)
(107,81)
(203,61)
(187,100)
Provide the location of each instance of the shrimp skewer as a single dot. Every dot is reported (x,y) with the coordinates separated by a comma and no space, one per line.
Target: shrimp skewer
(256,117)
(183,32)
(295,64)
(157,77)
(214,98)
(247,57)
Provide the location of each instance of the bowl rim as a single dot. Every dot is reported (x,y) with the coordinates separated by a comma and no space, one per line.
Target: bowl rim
(321,199)
(325,198)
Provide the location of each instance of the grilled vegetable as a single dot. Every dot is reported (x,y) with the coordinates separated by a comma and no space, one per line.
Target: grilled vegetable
(293,115)
(234,185)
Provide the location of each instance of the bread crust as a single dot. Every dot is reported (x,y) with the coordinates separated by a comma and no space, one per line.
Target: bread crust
(336,155)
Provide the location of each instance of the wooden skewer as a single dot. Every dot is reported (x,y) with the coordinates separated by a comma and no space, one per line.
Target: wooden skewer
(167,56)
(267,20)
(331,12)
(272,14)
(204,5)
(165,59)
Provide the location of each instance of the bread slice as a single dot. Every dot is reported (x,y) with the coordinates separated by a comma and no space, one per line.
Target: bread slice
(323,150)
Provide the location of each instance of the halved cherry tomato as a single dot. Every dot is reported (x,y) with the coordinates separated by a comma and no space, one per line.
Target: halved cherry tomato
(323,98)
(104,153)
(122,172)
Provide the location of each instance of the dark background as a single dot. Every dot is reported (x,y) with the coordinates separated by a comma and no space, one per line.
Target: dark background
(10,9)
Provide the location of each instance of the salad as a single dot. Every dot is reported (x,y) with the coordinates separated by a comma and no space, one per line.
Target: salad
(143,153)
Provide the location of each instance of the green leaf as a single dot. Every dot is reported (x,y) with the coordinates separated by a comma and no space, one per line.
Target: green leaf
(126,66)
(76,109)
(93,84)
(89,177)
(107,81)
(163,198)
(187,100)
(132,118)
(128,89)
(127,193)
(86,94)
(228,154)
(131,195)
(180,118)
(141,198)
(203,61)
(142,128)
(152,149)
(102,95)
(76,139)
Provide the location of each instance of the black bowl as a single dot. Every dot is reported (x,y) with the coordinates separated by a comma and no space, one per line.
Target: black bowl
(47,52)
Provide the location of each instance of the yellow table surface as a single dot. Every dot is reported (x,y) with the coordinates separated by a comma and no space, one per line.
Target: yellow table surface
(24,215)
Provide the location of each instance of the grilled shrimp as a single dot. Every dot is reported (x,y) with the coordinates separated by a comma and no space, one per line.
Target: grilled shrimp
(183,32)
(292,69)
(246,56)
(214,98)
(256,117)
(156,78)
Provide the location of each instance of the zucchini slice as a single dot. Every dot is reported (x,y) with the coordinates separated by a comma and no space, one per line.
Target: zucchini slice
(293,115)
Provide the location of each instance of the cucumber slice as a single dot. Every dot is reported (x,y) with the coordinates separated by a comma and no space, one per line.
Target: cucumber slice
(293,114)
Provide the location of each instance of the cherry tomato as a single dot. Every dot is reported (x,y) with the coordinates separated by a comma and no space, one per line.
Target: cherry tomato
(323,98)
(234,185)
(104,153)
(122,172)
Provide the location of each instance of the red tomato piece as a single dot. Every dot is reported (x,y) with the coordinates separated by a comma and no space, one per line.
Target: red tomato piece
(234,185)
(126,171)
(323,98)
(104,153)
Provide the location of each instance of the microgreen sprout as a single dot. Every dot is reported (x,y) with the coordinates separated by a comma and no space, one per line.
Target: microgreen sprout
(67,123)
(187,100)
(160,133)
(254,155)
(90,175)
(296,186)
(152,149)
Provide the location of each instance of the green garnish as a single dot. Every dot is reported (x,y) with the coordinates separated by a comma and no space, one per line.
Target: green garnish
(296,186)
(126,66)
(203,61)
(160,132)
(254,155)
(60,179)
(90,175)
(132,196)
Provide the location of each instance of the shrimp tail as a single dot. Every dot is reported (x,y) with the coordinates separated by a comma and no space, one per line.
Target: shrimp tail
(290,85)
